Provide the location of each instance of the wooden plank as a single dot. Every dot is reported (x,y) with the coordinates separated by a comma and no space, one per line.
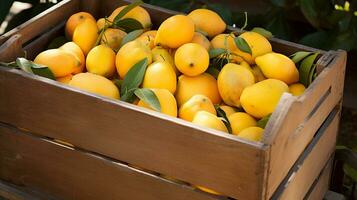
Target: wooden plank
(68,173)
(288,138)
(115,129)
(14,192)
(300,181)
(321,187)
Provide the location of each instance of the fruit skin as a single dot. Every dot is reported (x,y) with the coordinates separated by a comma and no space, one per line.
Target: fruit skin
(204,84)
(260,99)
(60,62)
(85,35)
(167,102)
(74,20)
(129,54)
(148,38)
(209,120)
(113,37)
(101,61)
(258,74)
(191,59)
(257,43)
(196,103)
(100,23)
(231,82)
(96,84)
(296,89)
(278,66)
(200,17)
(77,51)
(161,54)
(200,39)
(240,121)
(252,133)
(175,31)
(160,75)
(219,42)
(138,13)
(65,79)
(228,110)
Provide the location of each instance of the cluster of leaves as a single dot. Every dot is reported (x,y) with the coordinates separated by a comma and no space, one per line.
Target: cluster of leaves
(306,63)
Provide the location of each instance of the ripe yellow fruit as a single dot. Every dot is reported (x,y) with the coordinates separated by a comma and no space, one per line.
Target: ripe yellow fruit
(65,79)
(228,110)
(148,38)
(138,13)
(196,103)
(224,41)
(296,89)
(60,62)
(204,84)
(160,75)
(209,120)
(191,59)
(96,84)
(77,51)
(260,99)
(129,54)
(278,66)
(257,43)
(240,121)
(167,102)
(100,23)
(231,81)
(101,61)
(200,39)
(175,31)
(208,190)
(258,74)
(85,35)
(113,37)
(252,133)
(161,54)
(208,21)
(74,20)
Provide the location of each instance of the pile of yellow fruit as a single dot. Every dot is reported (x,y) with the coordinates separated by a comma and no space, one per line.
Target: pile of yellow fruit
(177,56)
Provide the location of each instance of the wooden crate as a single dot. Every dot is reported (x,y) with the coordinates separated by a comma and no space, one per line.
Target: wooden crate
(112,136)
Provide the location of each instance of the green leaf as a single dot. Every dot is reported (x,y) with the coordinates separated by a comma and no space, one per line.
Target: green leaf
(305,69)
(213,71)
(128,24)
(118,82)
(262,32)
(132,80)
(312,73)
(31,67)
(263,121)
(10,64)
(131,36)
(298,56)
(242,45)
(216,52)
(222,114)
(149,97)
(127,9)
(317,39)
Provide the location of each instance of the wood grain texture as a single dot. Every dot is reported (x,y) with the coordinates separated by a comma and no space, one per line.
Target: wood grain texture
(11,49)
(131,134)
(67,173)
(322,185)
(293,127)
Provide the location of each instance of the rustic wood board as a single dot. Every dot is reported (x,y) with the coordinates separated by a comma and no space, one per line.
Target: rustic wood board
(322,185)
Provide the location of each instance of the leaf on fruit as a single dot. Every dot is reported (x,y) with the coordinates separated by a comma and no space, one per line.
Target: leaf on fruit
(131,36)
(263,121)
(127,9)
(307,67)
(149,97)
(128,25)
(118,82)
(132,80)
(263,32)
(242,45)
(300,55)
(216,52)
(222,114)
(31,67)
(213,71)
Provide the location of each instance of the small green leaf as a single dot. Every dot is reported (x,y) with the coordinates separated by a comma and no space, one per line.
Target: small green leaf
(300,55)
(131,36)
(312,73)
(118,82)
(213,71)
(128,24)
(263,121)
(127,9)
(222,114)
(132,80)
(10,64)
(216,52)
(149,97)
(242,45)
(262,32)
(31,67)
(305,69)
